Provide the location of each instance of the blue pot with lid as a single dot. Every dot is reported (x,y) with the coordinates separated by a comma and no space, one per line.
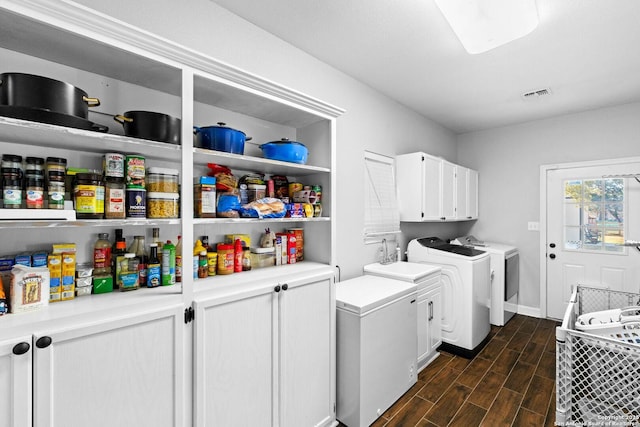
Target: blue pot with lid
(286,151)
(220,138)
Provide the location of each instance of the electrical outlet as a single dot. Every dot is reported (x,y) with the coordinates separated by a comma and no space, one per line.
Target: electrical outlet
(533,226)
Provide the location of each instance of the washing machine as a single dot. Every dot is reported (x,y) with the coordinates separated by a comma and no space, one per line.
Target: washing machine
(505,277)
(465,280)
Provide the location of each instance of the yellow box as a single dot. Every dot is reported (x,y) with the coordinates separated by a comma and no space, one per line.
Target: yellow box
(244,238)
(68,276)
(60,248)
(54,264)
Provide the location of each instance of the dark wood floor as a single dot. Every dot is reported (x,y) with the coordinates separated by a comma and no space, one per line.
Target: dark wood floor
(510,383)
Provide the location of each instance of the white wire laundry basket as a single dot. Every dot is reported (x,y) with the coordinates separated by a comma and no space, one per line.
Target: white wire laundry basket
(598,359)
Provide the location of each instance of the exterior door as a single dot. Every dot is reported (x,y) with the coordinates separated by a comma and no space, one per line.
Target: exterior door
(591,212)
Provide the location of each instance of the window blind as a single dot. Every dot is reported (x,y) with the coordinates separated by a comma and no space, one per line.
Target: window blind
(381,215)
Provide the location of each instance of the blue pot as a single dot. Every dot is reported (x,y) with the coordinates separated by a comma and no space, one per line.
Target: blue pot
(285,150)
(220,138)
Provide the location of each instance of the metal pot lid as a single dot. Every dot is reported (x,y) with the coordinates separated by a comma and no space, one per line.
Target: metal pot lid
(283,141)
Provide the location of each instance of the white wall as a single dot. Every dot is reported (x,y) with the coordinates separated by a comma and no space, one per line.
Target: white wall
(372,122)
(508,160)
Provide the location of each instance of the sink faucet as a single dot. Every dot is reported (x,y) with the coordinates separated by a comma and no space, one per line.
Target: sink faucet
(386,259)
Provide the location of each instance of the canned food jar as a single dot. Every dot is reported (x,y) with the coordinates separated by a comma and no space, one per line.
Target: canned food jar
(88,196)
(113,165)
(136,203)
(162,180)
(135,171)
(294,187)
(226,258)
(163,205)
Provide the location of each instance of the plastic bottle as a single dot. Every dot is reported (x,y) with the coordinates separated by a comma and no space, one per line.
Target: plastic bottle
(168,264)
(179,260)
(246,259)
(237,251)
(154,269)
(197,248)
(102,255)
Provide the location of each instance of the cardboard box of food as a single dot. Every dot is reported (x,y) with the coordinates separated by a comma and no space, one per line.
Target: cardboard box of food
(29,288)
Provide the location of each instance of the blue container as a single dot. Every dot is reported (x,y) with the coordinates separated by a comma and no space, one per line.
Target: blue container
(286,151)
(220,138)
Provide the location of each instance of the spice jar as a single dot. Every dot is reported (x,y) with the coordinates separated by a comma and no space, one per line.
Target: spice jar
(34,193)
(12,161)
(12,194)
(88,195)
(34,167)
(56,189)
(57,164)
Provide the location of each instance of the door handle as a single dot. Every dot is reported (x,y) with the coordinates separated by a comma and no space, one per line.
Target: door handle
(430,310)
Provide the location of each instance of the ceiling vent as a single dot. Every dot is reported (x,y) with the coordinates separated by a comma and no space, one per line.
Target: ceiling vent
(536,94)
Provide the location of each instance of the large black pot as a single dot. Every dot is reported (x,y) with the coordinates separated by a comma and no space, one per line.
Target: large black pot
(150,125)
(28,90)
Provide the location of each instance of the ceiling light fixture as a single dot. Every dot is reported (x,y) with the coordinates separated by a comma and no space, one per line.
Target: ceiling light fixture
(482,25)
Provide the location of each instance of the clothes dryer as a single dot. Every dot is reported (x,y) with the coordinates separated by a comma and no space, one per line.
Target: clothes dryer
(465,279)
(505,277)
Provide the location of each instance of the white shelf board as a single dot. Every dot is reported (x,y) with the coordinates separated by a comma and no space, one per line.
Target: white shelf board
(203,156)
(45,135)
(43,222)
(216,221)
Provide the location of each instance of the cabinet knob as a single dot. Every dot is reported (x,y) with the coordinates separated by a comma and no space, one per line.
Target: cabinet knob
(43,342)
(285,287)
(21,348)
(277,288)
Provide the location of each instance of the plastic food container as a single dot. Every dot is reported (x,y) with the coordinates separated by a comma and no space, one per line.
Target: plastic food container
(162,180)
(263,257)
(162,205)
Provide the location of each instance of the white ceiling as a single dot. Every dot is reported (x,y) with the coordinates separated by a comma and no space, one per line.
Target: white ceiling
(585,51)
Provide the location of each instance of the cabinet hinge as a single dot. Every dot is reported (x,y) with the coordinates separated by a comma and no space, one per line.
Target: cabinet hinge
(423,158)
(189,314)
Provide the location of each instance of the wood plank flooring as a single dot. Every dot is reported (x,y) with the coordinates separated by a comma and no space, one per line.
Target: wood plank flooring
(511,382)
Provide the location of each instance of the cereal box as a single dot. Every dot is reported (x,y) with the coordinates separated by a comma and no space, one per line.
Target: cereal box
(29,288)
(54,263)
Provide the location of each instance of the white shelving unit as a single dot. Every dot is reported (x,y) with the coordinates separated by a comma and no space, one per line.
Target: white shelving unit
(130,69)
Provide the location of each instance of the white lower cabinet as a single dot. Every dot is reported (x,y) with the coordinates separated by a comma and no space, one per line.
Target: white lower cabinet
(265,355)
(124,370)
(429,322)
(15,381)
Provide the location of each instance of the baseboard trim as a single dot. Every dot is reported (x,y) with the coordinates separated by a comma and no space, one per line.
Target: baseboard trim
(529,311)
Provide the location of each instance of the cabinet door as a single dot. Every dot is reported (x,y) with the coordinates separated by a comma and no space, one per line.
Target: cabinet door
(435,318)
(472,194)
(307,353)
(448,191)
(234,357)
(461,192)
(126,370)
(15,381)
(424,339)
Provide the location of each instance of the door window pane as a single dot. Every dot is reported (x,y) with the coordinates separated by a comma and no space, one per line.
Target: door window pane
(594,214)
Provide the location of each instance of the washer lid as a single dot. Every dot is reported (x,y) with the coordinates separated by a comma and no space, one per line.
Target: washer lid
(406,271)
(365,293)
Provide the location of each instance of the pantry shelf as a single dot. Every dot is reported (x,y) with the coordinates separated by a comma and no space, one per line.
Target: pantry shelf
(30,222)
(216,221)
(52,136)
(249,163)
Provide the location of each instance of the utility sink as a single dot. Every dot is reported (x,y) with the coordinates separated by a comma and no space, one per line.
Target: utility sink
(407,271)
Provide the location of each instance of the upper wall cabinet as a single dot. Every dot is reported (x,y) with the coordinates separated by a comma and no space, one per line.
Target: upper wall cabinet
(433,189)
